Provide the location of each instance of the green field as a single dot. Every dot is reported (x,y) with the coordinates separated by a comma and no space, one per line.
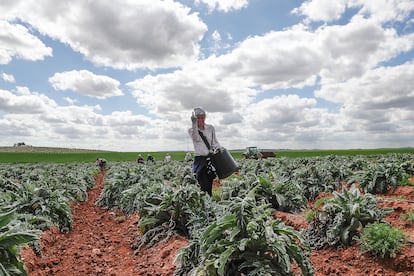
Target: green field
(65,157)
(310,153)
(54,155)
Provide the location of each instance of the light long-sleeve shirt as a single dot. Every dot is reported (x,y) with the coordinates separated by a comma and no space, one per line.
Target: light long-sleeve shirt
(200,148)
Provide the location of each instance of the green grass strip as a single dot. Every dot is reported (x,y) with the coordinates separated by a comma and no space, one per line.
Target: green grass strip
(67,157)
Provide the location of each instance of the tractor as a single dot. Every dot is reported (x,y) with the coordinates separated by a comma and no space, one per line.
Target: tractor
(255,153)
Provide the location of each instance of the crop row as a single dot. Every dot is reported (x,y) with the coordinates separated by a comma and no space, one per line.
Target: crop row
(229,232)
(234,231)
(34,197)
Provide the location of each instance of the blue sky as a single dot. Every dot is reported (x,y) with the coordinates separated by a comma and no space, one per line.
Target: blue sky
(125,75)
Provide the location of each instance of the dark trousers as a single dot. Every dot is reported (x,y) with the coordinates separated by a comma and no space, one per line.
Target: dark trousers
(204,173)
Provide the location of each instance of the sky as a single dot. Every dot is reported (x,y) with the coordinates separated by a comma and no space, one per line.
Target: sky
(125,75)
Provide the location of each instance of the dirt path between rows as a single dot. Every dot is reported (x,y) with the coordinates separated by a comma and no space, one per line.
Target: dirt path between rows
(100,240)
(99,243)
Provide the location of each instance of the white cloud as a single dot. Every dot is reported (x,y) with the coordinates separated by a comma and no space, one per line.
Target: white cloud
(383,11)
(200,84)
(17,42)
(7,77)
(24,103)
(252,94)
(70,100)
(362,44)
(292,58)
(280,112)
(224,5)
(231,118)
(137,34)
(216,41)
(338,55)
(321,10)
(380,11)
(280,121)
(377,94)
(377,105)
(276,60)
(86,83)
(38,120)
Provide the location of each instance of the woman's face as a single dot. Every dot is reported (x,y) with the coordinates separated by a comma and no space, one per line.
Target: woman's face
(200,121)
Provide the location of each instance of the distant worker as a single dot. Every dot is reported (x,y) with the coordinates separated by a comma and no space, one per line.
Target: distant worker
(150,159)
(188,157)
(167,158)
(101,163)
(140,160)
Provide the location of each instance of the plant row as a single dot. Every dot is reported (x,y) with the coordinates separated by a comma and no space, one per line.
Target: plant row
(231,233)
(234,232)
(34,197)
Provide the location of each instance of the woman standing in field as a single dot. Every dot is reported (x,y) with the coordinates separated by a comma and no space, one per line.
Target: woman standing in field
(205,143)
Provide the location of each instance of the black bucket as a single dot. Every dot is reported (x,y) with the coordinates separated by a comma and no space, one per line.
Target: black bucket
(224,164)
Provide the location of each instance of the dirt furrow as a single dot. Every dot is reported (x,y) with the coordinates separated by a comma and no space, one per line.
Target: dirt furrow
(99,243)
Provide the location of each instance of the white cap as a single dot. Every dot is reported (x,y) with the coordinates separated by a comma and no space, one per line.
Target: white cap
(199,111)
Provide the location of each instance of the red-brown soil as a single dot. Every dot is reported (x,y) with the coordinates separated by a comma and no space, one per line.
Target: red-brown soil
(100,240)
(99,243)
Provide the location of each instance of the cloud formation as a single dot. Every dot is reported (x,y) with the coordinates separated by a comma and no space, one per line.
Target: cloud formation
(18,42)
(340,76)
(132,35)
(86,83)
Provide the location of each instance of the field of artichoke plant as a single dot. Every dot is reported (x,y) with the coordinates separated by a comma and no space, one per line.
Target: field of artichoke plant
(328,215)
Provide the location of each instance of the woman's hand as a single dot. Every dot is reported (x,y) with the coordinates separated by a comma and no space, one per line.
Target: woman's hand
(217,150)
